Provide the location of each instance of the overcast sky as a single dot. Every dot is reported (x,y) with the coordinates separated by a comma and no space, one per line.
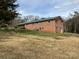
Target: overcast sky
(47,8)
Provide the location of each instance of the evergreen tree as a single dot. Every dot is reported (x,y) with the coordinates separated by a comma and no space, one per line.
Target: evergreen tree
(7,11)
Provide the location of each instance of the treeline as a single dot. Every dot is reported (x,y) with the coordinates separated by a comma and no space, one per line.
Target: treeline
(72,24)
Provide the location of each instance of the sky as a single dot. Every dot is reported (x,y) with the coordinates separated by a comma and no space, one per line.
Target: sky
(47,8)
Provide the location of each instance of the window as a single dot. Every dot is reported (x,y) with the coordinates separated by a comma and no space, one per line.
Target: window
(41,28)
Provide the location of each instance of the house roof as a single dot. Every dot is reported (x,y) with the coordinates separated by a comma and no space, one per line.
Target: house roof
(42,20)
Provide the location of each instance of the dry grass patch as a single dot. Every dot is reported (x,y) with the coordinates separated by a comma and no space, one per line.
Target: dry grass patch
(39,47)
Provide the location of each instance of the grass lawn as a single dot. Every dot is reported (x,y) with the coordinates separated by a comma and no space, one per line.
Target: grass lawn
(38,45)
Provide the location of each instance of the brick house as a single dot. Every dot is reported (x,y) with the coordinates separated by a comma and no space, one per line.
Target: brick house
(46,25)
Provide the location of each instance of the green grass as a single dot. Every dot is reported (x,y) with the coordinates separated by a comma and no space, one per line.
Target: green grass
(39,33)
(36,33)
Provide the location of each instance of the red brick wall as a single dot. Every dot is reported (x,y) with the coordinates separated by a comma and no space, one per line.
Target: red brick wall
(47,26)
(59,26)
